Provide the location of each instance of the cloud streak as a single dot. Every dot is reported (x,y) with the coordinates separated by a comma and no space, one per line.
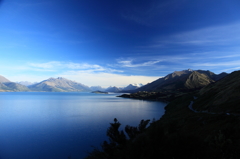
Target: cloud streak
(129,63)
(84,67)
(222,64)
(216,35)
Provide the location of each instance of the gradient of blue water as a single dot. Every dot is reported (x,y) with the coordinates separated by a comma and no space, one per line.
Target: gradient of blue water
(45,125)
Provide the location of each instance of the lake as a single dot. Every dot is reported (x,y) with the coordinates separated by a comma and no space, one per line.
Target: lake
(50,125)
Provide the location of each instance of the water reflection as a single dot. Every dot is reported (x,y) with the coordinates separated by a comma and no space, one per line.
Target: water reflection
(56,125)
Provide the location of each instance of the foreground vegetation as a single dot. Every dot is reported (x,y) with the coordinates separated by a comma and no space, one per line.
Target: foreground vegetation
(207,128)
(180,133)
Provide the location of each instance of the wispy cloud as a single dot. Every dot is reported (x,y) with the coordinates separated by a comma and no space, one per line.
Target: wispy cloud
(231,69)
(129,63)
(215,35)
(212,38)
(84,67)
(232,55)
(229,63)
(88,74)
(216,61)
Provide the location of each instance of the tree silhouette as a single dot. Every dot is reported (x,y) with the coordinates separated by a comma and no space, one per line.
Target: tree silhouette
(132,131)
(116,137)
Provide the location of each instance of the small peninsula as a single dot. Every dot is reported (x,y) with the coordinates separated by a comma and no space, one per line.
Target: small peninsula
(100,92)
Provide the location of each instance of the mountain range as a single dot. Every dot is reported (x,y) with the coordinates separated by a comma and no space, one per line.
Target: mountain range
(177,81)
(175,85)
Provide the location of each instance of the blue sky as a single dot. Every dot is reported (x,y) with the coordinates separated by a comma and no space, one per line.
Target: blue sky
(116,42)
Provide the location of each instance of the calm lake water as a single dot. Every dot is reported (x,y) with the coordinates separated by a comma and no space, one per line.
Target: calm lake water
(58,125)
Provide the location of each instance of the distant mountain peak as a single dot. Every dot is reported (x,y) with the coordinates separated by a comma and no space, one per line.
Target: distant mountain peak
(132,86)
(113,89)
(57,79)
(60,84)
(26,83)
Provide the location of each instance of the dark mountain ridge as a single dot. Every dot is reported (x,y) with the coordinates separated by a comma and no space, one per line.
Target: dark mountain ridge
(174,85)
(183,80)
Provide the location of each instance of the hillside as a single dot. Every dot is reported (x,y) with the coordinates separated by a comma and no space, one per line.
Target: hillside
(8,86)
(222,96)
(59,85)
(4,88)
(16,87)
(211,132)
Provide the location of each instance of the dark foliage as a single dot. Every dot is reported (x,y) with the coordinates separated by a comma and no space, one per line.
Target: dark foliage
(165,141)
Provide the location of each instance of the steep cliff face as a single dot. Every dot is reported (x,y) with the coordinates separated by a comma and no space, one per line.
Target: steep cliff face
(197,80)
